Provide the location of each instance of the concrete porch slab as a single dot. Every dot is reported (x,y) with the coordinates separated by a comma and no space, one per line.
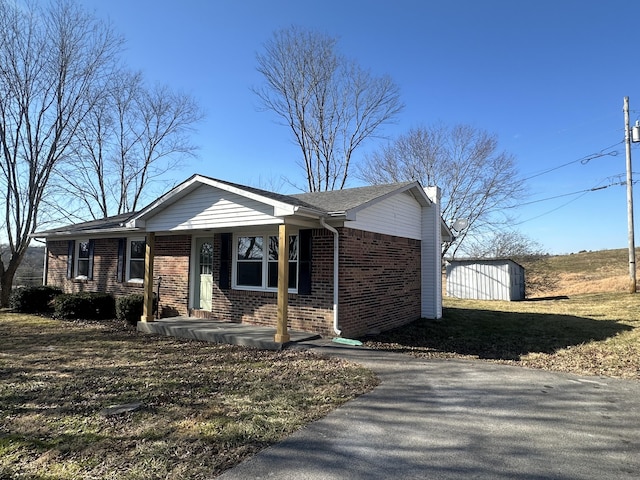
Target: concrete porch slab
(222,332)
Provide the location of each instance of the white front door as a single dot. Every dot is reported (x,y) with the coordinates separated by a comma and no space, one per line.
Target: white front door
(204,274)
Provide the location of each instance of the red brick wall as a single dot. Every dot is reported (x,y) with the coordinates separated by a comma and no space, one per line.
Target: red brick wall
(379,282)
(311,313)
(379,287)
(171,263)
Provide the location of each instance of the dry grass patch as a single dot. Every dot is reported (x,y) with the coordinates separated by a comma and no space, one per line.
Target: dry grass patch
(594,334)
(205,407)
(580,273)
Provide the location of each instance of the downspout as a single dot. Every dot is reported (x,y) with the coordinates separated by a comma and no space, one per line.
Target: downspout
(336,257)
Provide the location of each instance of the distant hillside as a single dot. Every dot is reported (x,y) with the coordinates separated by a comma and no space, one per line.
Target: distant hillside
(584,272)
(30,271)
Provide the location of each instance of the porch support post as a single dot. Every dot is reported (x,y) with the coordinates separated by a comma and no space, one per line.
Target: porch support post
(283,284)
(147,306)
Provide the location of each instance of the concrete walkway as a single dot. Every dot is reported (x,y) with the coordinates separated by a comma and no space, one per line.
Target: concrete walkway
(221,332)
(439,419)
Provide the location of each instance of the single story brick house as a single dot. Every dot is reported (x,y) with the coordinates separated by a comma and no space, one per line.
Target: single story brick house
(341,263)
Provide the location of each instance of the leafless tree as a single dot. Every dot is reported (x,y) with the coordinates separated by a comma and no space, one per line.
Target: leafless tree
(477,180)
(331,104)
(126,144)
(505,244)
(520,248)
(52,60)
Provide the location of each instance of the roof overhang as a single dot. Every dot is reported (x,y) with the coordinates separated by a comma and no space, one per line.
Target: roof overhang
(445,232)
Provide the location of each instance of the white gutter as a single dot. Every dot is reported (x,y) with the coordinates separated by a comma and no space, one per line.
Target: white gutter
(336,258)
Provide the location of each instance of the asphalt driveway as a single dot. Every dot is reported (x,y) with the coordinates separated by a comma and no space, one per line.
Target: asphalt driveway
(441,419)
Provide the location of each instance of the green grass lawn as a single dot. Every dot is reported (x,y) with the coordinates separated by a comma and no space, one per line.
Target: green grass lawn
(596,334)
(205,407)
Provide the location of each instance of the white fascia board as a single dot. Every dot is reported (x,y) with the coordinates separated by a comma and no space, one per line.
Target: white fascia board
(283,210)
(136,223)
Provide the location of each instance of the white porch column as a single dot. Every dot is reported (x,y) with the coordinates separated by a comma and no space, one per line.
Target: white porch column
(147,306)
(282,336)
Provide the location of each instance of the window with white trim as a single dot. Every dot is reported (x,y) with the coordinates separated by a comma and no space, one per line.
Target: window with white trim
(256,262)
(135,259)
(83,253)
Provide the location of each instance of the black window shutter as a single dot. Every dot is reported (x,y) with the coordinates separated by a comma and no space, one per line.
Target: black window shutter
(71,248)
(90,273)
(304,262)
(225,261)
(122,242)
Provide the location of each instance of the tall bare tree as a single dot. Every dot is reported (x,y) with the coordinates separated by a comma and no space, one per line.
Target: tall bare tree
(52,60)
(331,104)
(126,144)
(477,179)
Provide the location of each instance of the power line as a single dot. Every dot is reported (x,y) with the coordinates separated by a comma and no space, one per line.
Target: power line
(583,160)
(593,189)
(552,210)
(581,194)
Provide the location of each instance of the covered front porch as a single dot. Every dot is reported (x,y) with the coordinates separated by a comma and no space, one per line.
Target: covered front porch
(216,331)
(279,335)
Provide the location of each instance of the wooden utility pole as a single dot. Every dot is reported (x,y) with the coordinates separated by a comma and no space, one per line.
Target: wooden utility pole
(632,248)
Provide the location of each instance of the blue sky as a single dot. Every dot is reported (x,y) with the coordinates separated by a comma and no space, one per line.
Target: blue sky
(547,77)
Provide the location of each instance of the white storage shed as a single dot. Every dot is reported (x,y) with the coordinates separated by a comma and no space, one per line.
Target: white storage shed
(485,279)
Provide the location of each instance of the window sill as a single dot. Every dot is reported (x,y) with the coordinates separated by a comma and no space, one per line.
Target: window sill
(261,289)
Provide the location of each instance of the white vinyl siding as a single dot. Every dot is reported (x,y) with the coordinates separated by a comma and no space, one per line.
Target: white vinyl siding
(431,257)
(209,207)
(398,215)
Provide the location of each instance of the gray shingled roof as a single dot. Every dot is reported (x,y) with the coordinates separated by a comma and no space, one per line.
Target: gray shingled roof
(290,199)
(342,200)
(332,201)
(336,201)
(114,222)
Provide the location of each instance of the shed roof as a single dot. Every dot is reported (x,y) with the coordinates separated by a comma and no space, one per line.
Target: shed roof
(485,261)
